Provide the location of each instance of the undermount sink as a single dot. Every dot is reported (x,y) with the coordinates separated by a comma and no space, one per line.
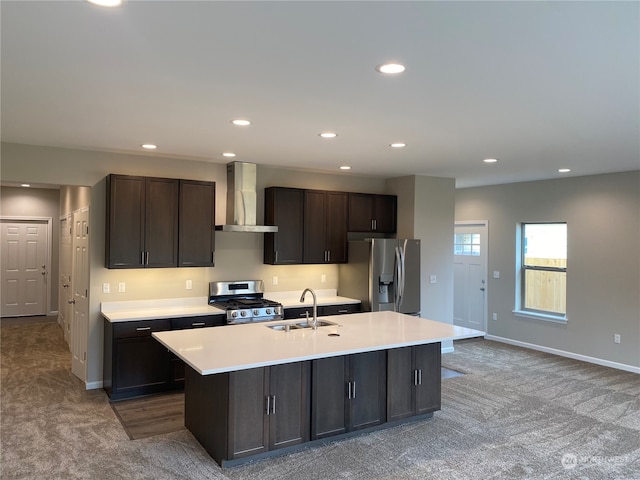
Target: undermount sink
(285,327)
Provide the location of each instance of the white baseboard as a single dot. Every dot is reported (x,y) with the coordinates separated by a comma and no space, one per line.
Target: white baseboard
(93,385)
(562,353)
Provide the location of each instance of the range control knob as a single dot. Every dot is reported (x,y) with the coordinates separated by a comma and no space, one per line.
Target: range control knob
(243,313)
(256,312)
(268,311)
(234,314)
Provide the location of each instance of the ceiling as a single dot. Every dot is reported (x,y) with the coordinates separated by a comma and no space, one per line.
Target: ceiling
(537,85)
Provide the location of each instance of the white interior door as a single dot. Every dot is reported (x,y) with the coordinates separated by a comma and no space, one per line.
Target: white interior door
(470,276)
(64,278)
(80,289)
(24,254)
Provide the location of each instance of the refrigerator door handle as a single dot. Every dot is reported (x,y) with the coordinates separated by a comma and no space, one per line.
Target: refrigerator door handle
(399,290)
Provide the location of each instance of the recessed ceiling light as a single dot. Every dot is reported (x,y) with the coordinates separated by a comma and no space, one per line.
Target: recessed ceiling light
(25,185)
(490,160)
(390,68)
(564,170)
(345,167)
(106,3)
(398,145)
(149,146)
(228,154)
(241,122)
(328,135)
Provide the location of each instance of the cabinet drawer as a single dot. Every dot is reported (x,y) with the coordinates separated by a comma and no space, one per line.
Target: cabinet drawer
(198,322)
(340,309)
(143,328)
(299,312)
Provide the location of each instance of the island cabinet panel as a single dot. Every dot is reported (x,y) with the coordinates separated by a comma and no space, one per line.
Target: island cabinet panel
(413,382)
(248,412)
(284,207)
(325,227)
(348,393)
(196,243)
(372,213)
(142,222)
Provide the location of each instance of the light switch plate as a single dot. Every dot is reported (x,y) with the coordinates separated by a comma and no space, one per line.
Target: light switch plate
(106,288)
(496,274)
(433,279)
(121,287)
(274,280)
(189,285)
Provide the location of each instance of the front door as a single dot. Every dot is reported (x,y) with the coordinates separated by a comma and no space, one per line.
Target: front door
(470,275)
(24,254)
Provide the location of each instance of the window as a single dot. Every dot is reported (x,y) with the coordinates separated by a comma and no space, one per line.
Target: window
(466,244)
(543,270)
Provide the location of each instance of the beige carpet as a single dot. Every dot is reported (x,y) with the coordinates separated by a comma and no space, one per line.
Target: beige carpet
(516,414)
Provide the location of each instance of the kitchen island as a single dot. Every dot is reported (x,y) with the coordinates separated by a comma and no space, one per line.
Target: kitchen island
(252,390)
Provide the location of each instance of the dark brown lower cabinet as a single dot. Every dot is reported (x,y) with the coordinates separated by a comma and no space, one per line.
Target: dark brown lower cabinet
(135,363)
(348,393)
(248,412)
(413,382)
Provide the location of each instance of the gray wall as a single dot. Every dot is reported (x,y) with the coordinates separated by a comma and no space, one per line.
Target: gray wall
(603,265)
(37,202)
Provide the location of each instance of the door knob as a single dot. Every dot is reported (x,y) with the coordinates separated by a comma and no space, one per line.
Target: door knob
(72,302)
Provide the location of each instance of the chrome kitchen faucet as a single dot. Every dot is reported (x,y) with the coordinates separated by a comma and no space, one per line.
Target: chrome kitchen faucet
(315,307)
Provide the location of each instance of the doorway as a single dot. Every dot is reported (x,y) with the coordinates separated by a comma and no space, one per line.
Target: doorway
(470,275)
(25,256)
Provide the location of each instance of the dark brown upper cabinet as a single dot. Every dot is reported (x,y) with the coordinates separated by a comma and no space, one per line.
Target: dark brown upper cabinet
(372,213)
(325,227)
(196,244)
(142,222)
(283,207)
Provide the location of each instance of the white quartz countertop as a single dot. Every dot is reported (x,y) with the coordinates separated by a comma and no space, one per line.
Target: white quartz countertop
(131,310)
(239,347)
(324,297)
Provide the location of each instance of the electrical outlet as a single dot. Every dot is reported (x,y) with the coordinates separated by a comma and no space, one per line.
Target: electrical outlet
(274,280)
(106,288)
(189,285)
(495,316)
(433,279)
(323,278)
(121,287)
(616,338)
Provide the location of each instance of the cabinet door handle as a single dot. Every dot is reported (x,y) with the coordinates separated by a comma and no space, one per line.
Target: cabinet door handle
(273,404)
(349,390)
(147,262)
(354,389)
(198,324)
(268,404)
(415,377)
(420,377)
(141,258)
(328,255)
(276,257)
(142,329)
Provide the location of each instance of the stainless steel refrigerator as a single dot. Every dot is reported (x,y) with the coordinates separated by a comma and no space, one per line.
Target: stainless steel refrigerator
(383,273)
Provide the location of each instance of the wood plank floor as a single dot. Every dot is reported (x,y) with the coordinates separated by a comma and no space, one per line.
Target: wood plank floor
(153,415)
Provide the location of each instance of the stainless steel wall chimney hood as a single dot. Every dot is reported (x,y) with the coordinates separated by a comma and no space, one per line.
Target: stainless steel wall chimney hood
(242,200)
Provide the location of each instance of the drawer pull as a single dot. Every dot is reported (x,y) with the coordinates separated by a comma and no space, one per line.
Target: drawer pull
(343,311)
(142,329)
(197,324)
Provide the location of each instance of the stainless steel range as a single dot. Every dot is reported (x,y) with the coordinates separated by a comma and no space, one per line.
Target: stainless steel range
(243,301)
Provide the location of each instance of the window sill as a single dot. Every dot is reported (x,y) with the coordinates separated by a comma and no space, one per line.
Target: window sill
(541,316)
